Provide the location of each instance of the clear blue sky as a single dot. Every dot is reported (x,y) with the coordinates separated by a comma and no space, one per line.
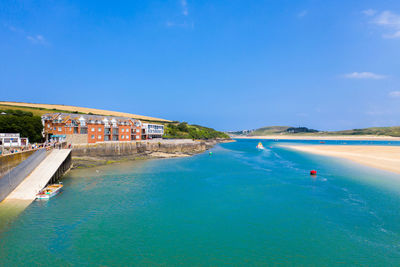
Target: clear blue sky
(226,64)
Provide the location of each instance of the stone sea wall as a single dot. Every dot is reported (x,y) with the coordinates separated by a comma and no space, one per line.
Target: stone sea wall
(114,150)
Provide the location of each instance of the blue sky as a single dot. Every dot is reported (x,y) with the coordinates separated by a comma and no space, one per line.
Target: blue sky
(231,64)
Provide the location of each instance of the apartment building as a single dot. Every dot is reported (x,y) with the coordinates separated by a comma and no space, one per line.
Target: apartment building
(82,128)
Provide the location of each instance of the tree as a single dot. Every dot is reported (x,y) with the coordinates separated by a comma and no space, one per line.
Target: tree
(183,127)
(24,123)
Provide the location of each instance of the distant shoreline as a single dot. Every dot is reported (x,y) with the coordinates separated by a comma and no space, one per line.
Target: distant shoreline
(380,157)
(322,137)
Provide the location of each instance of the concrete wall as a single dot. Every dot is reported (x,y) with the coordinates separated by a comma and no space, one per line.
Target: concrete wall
(10,161)
(11,180)
(76,138)
(117,149)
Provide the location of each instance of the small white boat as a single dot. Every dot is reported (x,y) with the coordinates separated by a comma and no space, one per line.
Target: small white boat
(260,146)
(49,191)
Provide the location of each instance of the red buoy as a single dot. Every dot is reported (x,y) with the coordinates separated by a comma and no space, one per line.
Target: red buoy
(313,172)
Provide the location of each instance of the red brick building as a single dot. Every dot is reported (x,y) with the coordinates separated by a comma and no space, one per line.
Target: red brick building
(81,128)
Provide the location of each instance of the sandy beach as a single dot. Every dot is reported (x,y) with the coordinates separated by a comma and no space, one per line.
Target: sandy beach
(322,137)
(381,157)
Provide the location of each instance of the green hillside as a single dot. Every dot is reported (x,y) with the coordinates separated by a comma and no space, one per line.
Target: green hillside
(286,130)
(269,130)
(387,131)
(176,130)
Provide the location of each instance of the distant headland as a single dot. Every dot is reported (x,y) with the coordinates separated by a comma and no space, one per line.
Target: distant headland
(288,132)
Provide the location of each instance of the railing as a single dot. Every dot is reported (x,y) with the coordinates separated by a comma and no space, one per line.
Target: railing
(155,131)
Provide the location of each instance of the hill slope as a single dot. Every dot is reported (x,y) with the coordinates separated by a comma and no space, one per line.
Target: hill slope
(186,131)
(48,108)
(269,130)
(285,130)
(387,131)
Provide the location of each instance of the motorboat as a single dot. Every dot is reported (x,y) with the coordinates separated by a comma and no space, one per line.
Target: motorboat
(260,146)
(49,191)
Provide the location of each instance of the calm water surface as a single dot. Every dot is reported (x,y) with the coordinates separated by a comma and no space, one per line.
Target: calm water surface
(239,206)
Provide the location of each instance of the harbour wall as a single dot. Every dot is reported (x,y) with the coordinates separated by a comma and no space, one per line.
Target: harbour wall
(115,149)
(10,161)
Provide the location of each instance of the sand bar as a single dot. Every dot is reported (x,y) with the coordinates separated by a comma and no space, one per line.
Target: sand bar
(323,137)
(381,157)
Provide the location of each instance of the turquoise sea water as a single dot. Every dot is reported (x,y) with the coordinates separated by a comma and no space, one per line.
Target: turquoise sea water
(239,206)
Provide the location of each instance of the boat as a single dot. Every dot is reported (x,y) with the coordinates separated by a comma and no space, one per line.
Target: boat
(49,191)
(260,146)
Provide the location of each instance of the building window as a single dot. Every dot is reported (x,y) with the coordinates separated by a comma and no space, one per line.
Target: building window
(48,126)
(137,130)
(122,130)
(122,136)
(59,129)
(99,137)
(92,136)
(99,129)
(55,128)
(83,130)
(92,129)
(127,137)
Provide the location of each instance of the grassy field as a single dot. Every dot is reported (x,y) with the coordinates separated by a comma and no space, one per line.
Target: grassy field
(35,111)
(39,109)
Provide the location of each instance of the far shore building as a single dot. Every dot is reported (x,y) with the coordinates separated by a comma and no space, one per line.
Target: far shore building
(13,140)
(82,128)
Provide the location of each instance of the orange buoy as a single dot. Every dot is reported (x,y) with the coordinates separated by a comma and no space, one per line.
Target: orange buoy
(313,172)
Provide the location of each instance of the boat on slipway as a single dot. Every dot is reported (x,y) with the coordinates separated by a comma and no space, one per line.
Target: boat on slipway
(49,191)
(260,146)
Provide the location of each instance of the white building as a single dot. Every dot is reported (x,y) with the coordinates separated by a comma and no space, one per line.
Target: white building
(12,140)
(152,131)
